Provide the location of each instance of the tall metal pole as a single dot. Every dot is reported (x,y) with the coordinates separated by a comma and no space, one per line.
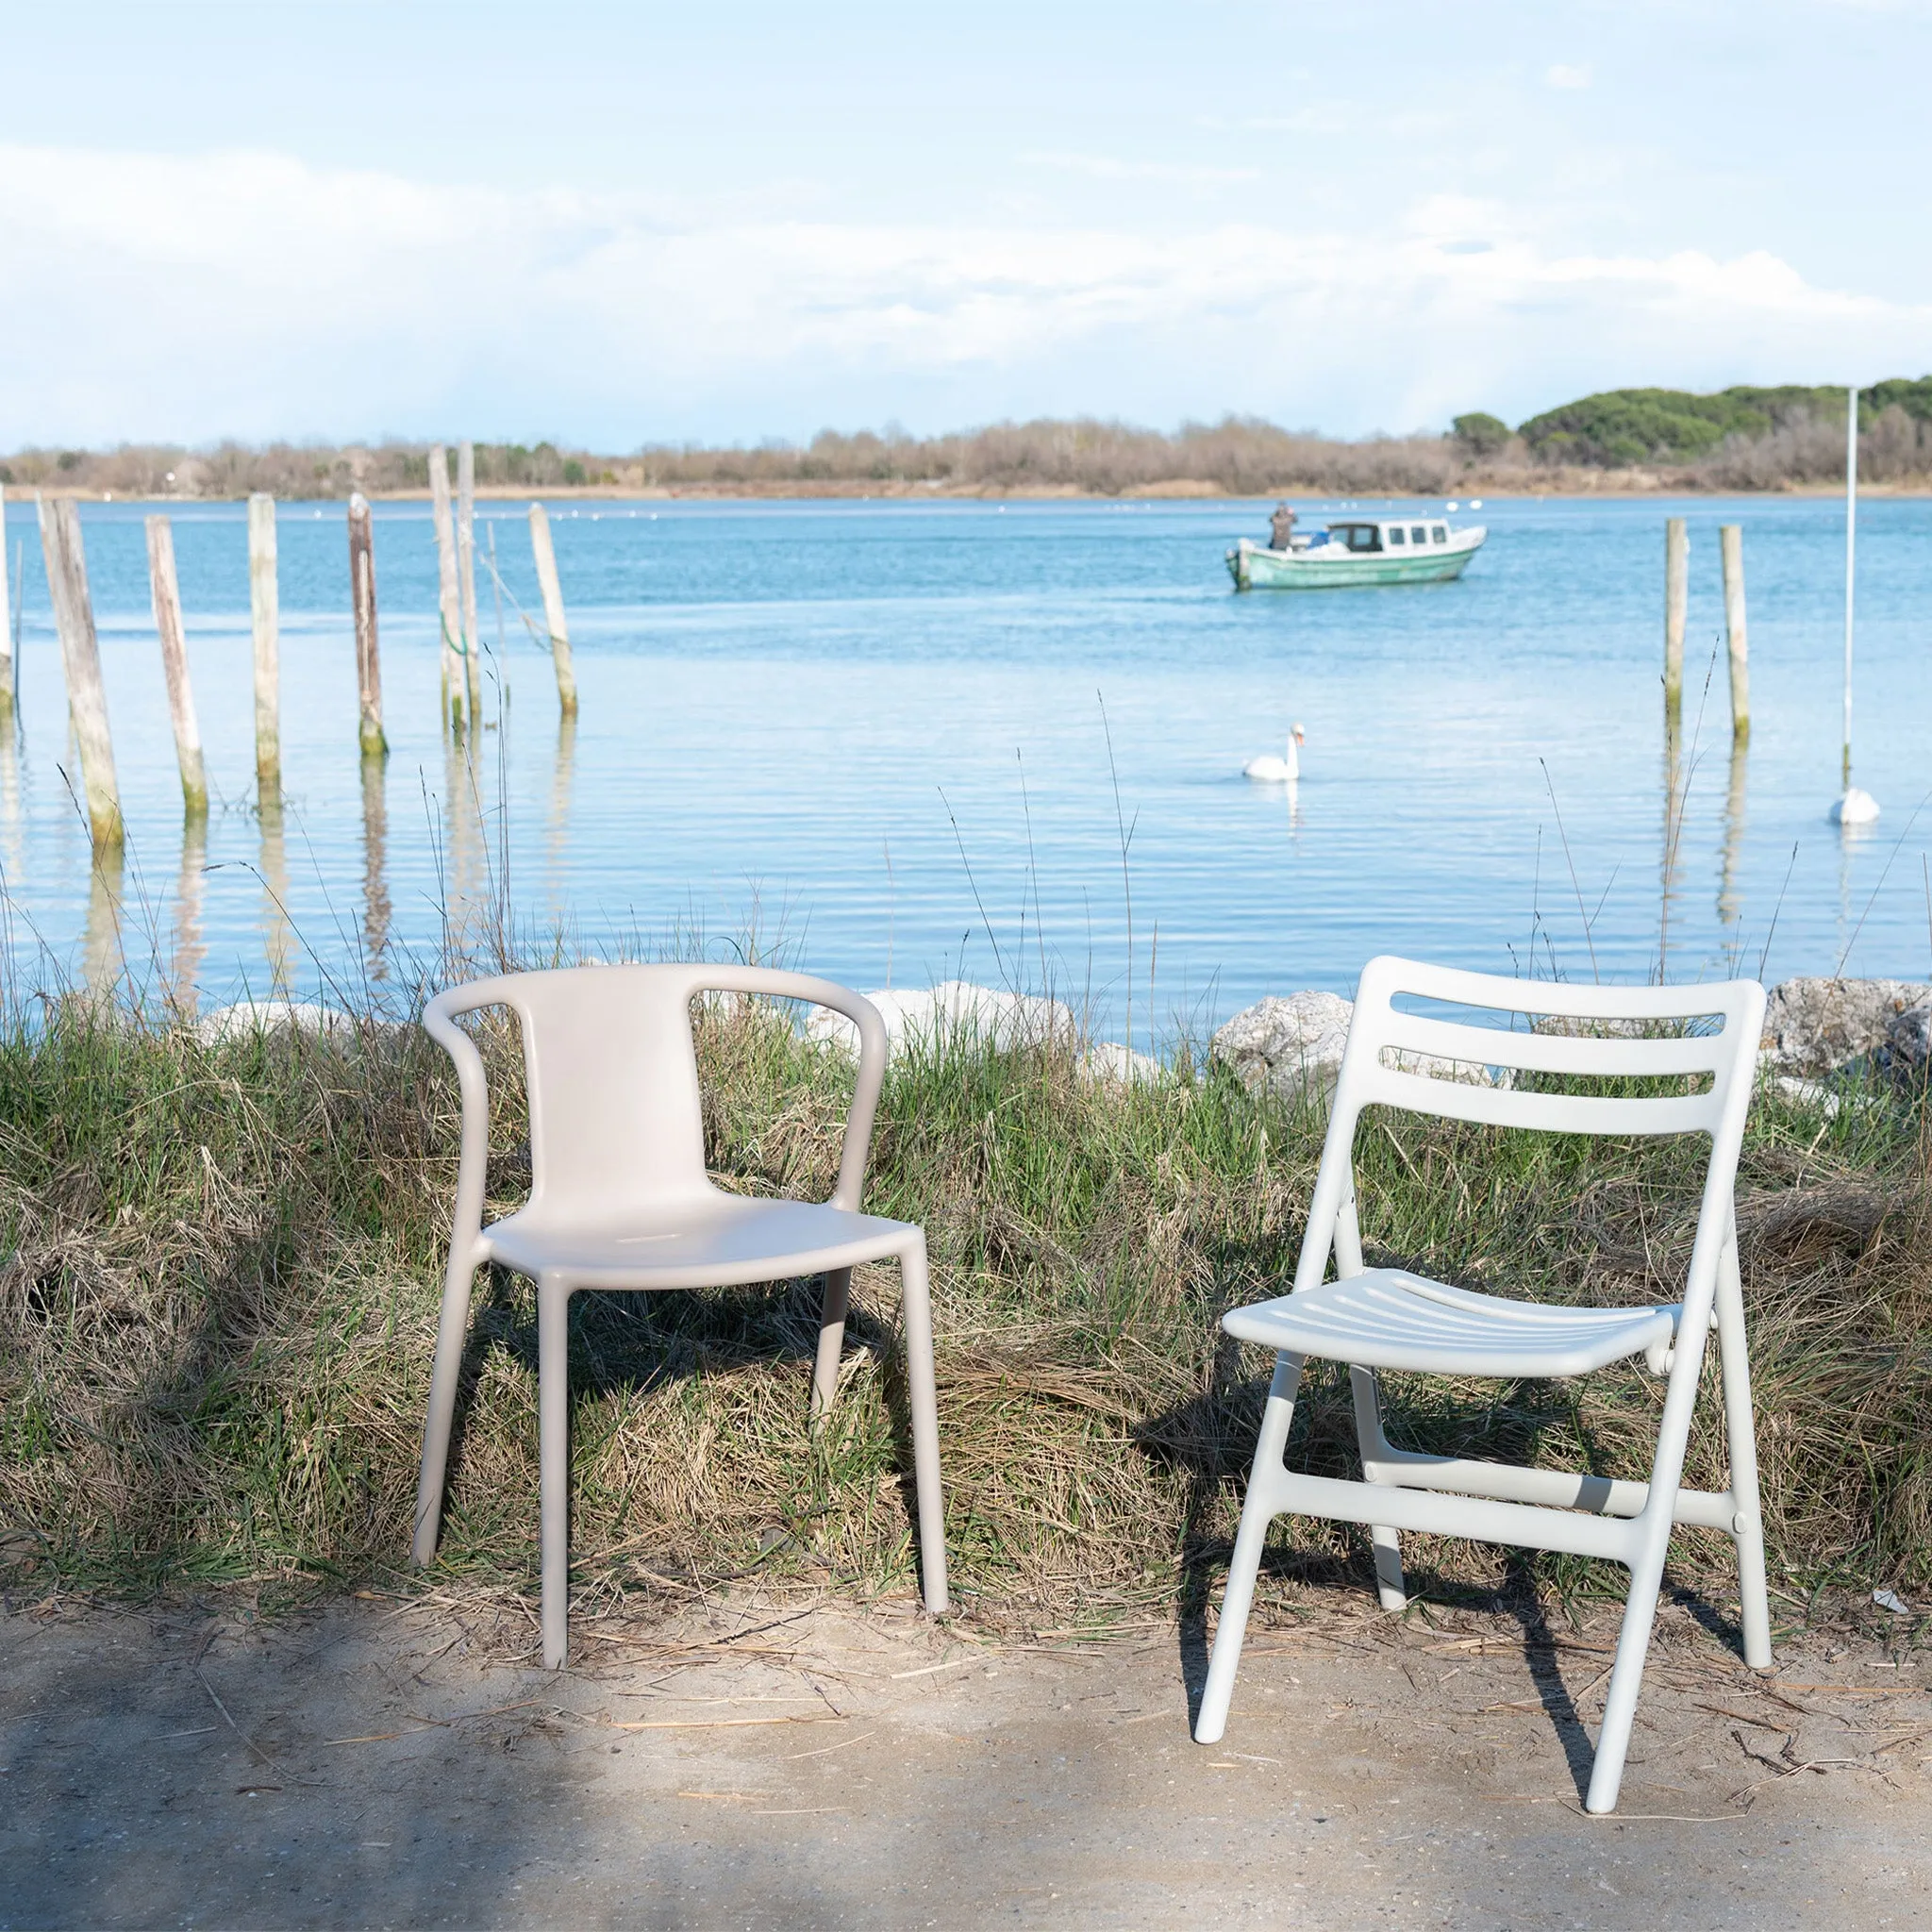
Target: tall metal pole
(1851,550)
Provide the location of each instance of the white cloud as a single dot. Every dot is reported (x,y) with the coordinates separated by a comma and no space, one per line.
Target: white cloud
(249,295)
(1571,77)
(1105,168)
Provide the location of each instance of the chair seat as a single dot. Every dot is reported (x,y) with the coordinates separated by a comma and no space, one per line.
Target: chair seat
(1387,1318)
(711,1241)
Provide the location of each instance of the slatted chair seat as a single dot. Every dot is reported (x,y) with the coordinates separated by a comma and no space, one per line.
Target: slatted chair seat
(1387,1318)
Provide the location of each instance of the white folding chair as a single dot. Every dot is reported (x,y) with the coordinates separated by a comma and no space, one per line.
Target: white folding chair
(1387,1318)
(620,1199)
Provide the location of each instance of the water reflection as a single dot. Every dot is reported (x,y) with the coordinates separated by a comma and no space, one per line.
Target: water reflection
(464,880)
(10,822)
(556,873)
(189,950)
(375,906)
(1728,896)
(1676,782)
(102,963)
(277,940)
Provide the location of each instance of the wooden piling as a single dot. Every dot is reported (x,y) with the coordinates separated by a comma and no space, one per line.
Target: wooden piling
(1731,544)
(466,572)
(166,592)
(264,609)
(7,673)
(80,658)
(362,597)
(447,606)
(1676,601)
(553,607)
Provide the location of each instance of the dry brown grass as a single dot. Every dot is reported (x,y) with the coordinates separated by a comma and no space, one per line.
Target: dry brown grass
(219,1271)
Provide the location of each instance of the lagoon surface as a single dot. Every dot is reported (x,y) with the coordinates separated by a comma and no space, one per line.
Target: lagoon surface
(872,738)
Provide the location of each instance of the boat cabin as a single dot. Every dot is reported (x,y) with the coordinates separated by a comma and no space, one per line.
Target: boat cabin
(1381,538)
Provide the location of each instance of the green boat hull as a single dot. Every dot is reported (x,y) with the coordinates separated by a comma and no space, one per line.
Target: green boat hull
(1254,569)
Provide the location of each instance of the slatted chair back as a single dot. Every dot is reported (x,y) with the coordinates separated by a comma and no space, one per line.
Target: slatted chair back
(1448,1068)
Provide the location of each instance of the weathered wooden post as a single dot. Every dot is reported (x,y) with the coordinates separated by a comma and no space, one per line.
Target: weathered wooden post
(1676,601)
(7,675)
(362,596)
(1731,542)
(166,592)
(264,609)
(466,572)
(553,606)
(80,658)
(449,612)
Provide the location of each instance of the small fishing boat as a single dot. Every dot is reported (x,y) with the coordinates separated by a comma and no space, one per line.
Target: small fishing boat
(1358,550)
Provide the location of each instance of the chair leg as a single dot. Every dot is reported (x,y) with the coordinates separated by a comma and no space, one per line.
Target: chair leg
(916,1305)
(1389,1586)
(1257,1512)
(450,1333)
(1734,1360)
(552,1406)
(824,1373)
(1627,1675)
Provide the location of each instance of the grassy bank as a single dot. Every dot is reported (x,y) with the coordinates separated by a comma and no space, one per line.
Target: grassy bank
(219,1275)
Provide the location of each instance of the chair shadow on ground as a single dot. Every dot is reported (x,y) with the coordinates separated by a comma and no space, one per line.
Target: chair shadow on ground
(1209,1440)
(632,1342)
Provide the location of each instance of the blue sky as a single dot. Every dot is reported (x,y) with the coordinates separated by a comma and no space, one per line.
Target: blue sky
(615,225)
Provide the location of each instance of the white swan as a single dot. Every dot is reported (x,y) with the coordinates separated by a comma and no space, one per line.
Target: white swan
(1854,808)
(1273,771)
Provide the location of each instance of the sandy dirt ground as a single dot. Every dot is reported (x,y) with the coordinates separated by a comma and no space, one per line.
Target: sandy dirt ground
(392,1762)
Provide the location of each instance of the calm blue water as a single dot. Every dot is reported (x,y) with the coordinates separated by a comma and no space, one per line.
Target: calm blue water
(873,734)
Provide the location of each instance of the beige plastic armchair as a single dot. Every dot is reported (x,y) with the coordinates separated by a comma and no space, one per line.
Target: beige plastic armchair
(620,1199)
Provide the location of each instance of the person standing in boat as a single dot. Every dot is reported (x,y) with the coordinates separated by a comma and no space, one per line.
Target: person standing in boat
(1280,527)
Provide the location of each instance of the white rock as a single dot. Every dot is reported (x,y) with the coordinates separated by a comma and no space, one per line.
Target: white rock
(1908,1039)
(1111,1061)
(1292,1047)
(954,1013)
(1813,1026)
(249,1017)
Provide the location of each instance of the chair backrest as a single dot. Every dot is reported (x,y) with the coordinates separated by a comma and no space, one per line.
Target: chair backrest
(610,1065)
(1449,1068)
(1396,1058)
(616,1116)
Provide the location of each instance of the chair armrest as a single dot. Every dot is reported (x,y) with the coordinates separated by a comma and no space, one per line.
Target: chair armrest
(850,1189)
(439,1022)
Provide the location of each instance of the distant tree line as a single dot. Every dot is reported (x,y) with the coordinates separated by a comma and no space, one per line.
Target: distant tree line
(1737,438)
(1762,435)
